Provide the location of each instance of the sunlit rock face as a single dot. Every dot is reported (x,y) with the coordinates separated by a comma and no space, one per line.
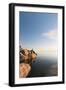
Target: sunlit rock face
(26,57)
(33,55)
(24,70)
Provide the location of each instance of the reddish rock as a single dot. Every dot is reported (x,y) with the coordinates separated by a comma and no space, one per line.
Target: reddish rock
(24,70)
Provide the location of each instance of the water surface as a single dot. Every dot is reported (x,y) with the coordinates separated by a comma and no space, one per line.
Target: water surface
(44,67)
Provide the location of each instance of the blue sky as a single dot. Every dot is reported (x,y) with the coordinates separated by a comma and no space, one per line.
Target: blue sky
(38,30)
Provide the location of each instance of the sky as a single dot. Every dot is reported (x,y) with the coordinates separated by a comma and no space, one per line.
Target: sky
(38,31)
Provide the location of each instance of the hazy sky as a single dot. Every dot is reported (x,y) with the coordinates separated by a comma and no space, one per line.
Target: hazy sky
(38,31)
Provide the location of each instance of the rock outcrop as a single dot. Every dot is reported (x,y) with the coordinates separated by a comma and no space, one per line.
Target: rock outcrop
(27,55)
(26,58)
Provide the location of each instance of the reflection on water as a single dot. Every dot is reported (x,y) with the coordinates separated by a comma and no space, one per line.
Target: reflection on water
(44,66)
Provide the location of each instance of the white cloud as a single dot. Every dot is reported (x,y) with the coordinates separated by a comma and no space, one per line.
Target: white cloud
(52,34)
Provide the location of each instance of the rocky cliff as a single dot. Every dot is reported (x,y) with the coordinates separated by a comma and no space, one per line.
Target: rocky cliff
(26,58)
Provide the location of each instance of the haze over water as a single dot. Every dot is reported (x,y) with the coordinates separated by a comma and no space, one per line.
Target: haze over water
(44,66)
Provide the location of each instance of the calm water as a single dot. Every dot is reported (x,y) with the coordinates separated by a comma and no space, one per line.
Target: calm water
(43,67)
